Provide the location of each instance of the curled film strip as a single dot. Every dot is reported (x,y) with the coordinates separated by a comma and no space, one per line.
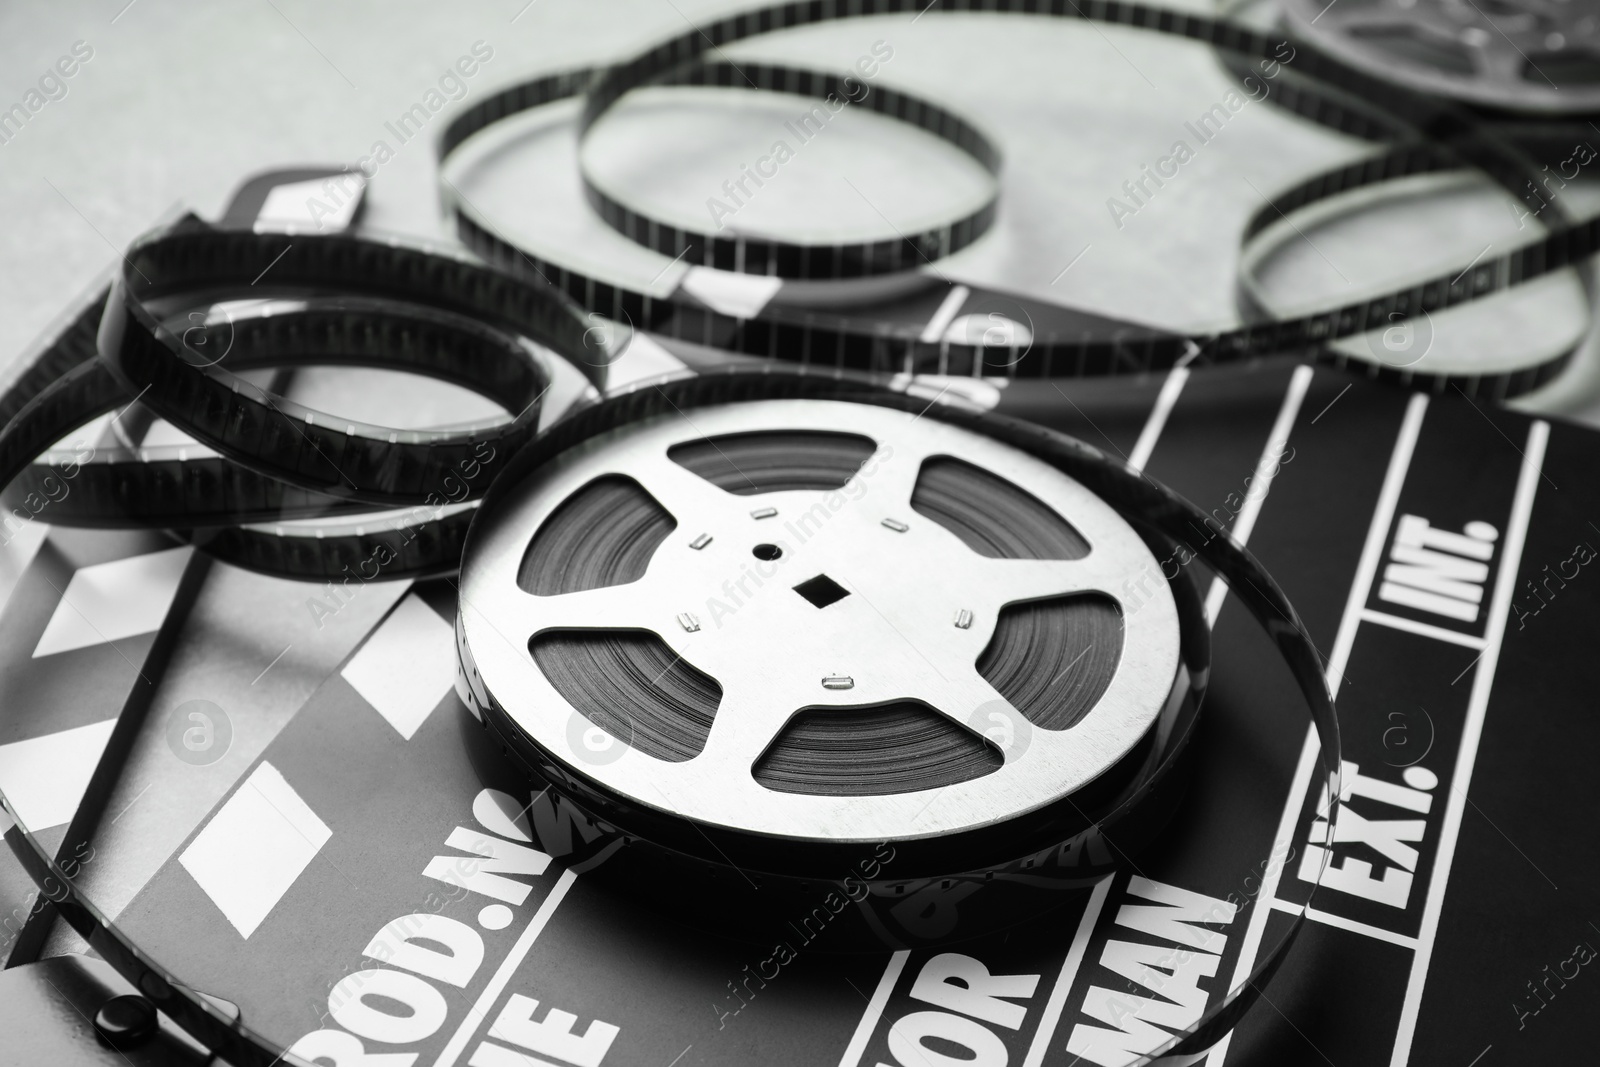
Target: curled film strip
(397,307)
(1161,517)
(194,266)
(854,340)
(1528,155)
(451,319)
(815,770)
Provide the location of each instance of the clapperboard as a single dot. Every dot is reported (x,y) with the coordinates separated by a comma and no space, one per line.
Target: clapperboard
(1438,550)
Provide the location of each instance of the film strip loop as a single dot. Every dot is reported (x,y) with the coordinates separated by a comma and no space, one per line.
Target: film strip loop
(92,386)
(1133,812)
(854,341)
(335,457)
(276,462)
(1462,143)
(172,488)
(748,254)
(280,464)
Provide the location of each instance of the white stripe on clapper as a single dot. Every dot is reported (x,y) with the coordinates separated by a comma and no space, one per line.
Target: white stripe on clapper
(869,1021)
(1288,410)
(1154,423)
(1261,484)
(1371,554)
(1069,973)
(1176,378)
(1330,919)
(933,332)
(508,966)
(1472,731)
(1422,629)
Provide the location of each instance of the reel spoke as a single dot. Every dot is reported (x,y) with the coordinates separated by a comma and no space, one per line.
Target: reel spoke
(686,496)
(892,472)
(738,740)
(1497,60)
(611,607)
(968,700)
(1013,581)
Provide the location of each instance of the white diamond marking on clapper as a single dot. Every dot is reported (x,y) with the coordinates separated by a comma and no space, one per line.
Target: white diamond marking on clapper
(109,601)
(44,777)
(254,848)
(406,666)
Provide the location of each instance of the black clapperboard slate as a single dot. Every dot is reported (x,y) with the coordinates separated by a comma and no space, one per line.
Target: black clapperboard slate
(1459,928)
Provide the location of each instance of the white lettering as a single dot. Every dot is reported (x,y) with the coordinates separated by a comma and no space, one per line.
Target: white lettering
(456,966)
(495,855)
(1129,1036)
(349,1007)
(1347,874)
(907,1039)
(1172,971)
(962,984)
(1179,908)
(554,1036)
(346,1050)
(1438,571)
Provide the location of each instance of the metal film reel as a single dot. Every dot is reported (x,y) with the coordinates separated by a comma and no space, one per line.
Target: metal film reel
(1540,57)
(804,622)
(1011,494)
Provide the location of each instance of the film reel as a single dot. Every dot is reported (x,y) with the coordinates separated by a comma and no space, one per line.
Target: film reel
(791,739)
(1532,57)
(1510,130)
(805,713)
(1148,756)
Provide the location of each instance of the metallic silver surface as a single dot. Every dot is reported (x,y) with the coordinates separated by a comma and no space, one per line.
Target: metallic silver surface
(767,646)
(1523,55)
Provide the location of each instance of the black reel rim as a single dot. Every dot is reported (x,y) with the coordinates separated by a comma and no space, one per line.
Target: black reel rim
(1162,517)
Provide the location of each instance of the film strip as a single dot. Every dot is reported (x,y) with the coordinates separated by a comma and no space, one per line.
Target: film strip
(400,307)
(454,320)
(1164,516)
(281,465)
(853,340)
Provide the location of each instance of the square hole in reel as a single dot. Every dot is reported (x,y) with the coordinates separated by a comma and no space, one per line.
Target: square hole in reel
(822,591)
